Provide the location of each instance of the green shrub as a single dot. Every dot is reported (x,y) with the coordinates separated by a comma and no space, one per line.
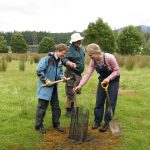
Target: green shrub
(18,43)
(3,45)
(46,45)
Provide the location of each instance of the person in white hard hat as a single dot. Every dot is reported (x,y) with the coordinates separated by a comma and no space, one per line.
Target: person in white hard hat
(74,63)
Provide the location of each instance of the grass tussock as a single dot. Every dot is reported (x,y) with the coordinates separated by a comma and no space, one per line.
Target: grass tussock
(129,63)
(120,59)
(23,59)
(142,61)
(31,59)
(8,57)
(36,58)
(22,65)
(3,64)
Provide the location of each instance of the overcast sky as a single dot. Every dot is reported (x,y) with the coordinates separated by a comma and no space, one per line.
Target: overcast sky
(70,15)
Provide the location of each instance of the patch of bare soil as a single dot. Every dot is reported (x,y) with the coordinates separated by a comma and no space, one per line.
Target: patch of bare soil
(15,147)
(100,141)
(124,92)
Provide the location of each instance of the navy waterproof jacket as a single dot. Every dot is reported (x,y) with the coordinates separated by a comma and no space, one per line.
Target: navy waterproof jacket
(75,55)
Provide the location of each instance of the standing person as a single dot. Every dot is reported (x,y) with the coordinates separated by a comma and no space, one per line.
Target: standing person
(74,62)
(107,67)
(49,69)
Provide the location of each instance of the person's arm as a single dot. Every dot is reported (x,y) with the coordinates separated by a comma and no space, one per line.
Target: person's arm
(86,76)
(115,69)
(42,66)
(61,73)
(66,60)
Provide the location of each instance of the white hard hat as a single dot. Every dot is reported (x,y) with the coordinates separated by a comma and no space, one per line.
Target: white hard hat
(75,37)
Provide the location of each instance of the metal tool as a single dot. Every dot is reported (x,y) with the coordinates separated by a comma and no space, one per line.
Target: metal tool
(113,124)
(74,121)
(79,124)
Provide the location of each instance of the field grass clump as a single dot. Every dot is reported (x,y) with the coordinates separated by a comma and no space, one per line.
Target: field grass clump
(36,58)
(129,63)
(120,59)
(8,57)
(23,59)
(3,64)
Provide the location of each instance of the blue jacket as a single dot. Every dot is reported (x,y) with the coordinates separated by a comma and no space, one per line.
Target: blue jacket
(47,69)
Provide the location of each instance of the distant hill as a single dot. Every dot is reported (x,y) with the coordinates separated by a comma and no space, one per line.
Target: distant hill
(141,28)
(144,28)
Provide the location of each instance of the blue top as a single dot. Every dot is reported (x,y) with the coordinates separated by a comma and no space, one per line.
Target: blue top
(48,69)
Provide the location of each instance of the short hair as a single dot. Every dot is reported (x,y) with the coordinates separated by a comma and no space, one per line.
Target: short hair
(61,47)
(93,49)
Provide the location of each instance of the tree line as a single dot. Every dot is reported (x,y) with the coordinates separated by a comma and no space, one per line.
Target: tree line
(128,40)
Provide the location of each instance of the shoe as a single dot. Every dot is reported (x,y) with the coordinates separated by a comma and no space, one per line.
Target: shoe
(68,114)
(41,130)
(59,128)
(96,125)
(104,128)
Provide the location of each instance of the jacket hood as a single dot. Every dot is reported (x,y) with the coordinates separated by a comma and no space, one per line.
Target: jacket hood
(51,54)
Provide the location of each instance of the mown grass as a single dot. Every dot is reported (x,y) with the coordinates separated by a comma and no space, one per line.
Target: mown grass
(18,105)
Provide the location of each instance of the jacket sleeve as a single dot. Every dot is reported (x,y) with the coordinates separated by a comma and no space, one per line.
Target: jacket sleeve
(64,60)
(42,66)
(67,57)
(61,73)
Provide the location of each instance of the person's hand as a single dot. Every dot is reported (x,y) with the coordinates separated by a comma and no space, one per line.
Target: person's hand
(71,64)
(77,88)
(48,83)
(64,79)
(106,81)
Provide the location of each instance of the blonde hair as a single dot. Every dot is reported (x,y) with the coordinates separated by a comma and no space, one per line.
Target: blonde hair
(93,49)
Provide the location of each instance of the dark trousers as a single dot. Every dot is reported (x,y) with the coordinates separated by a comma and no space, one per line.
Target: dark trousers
(42,107)
(101,99)
(70,84)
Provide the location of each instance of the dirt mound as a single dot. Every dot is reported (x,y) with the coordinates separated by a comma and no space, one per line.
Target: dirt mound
(100,141)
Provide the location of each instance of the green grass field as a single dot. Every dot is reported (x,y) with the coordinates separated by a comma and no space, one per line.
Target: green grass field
(18,105)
